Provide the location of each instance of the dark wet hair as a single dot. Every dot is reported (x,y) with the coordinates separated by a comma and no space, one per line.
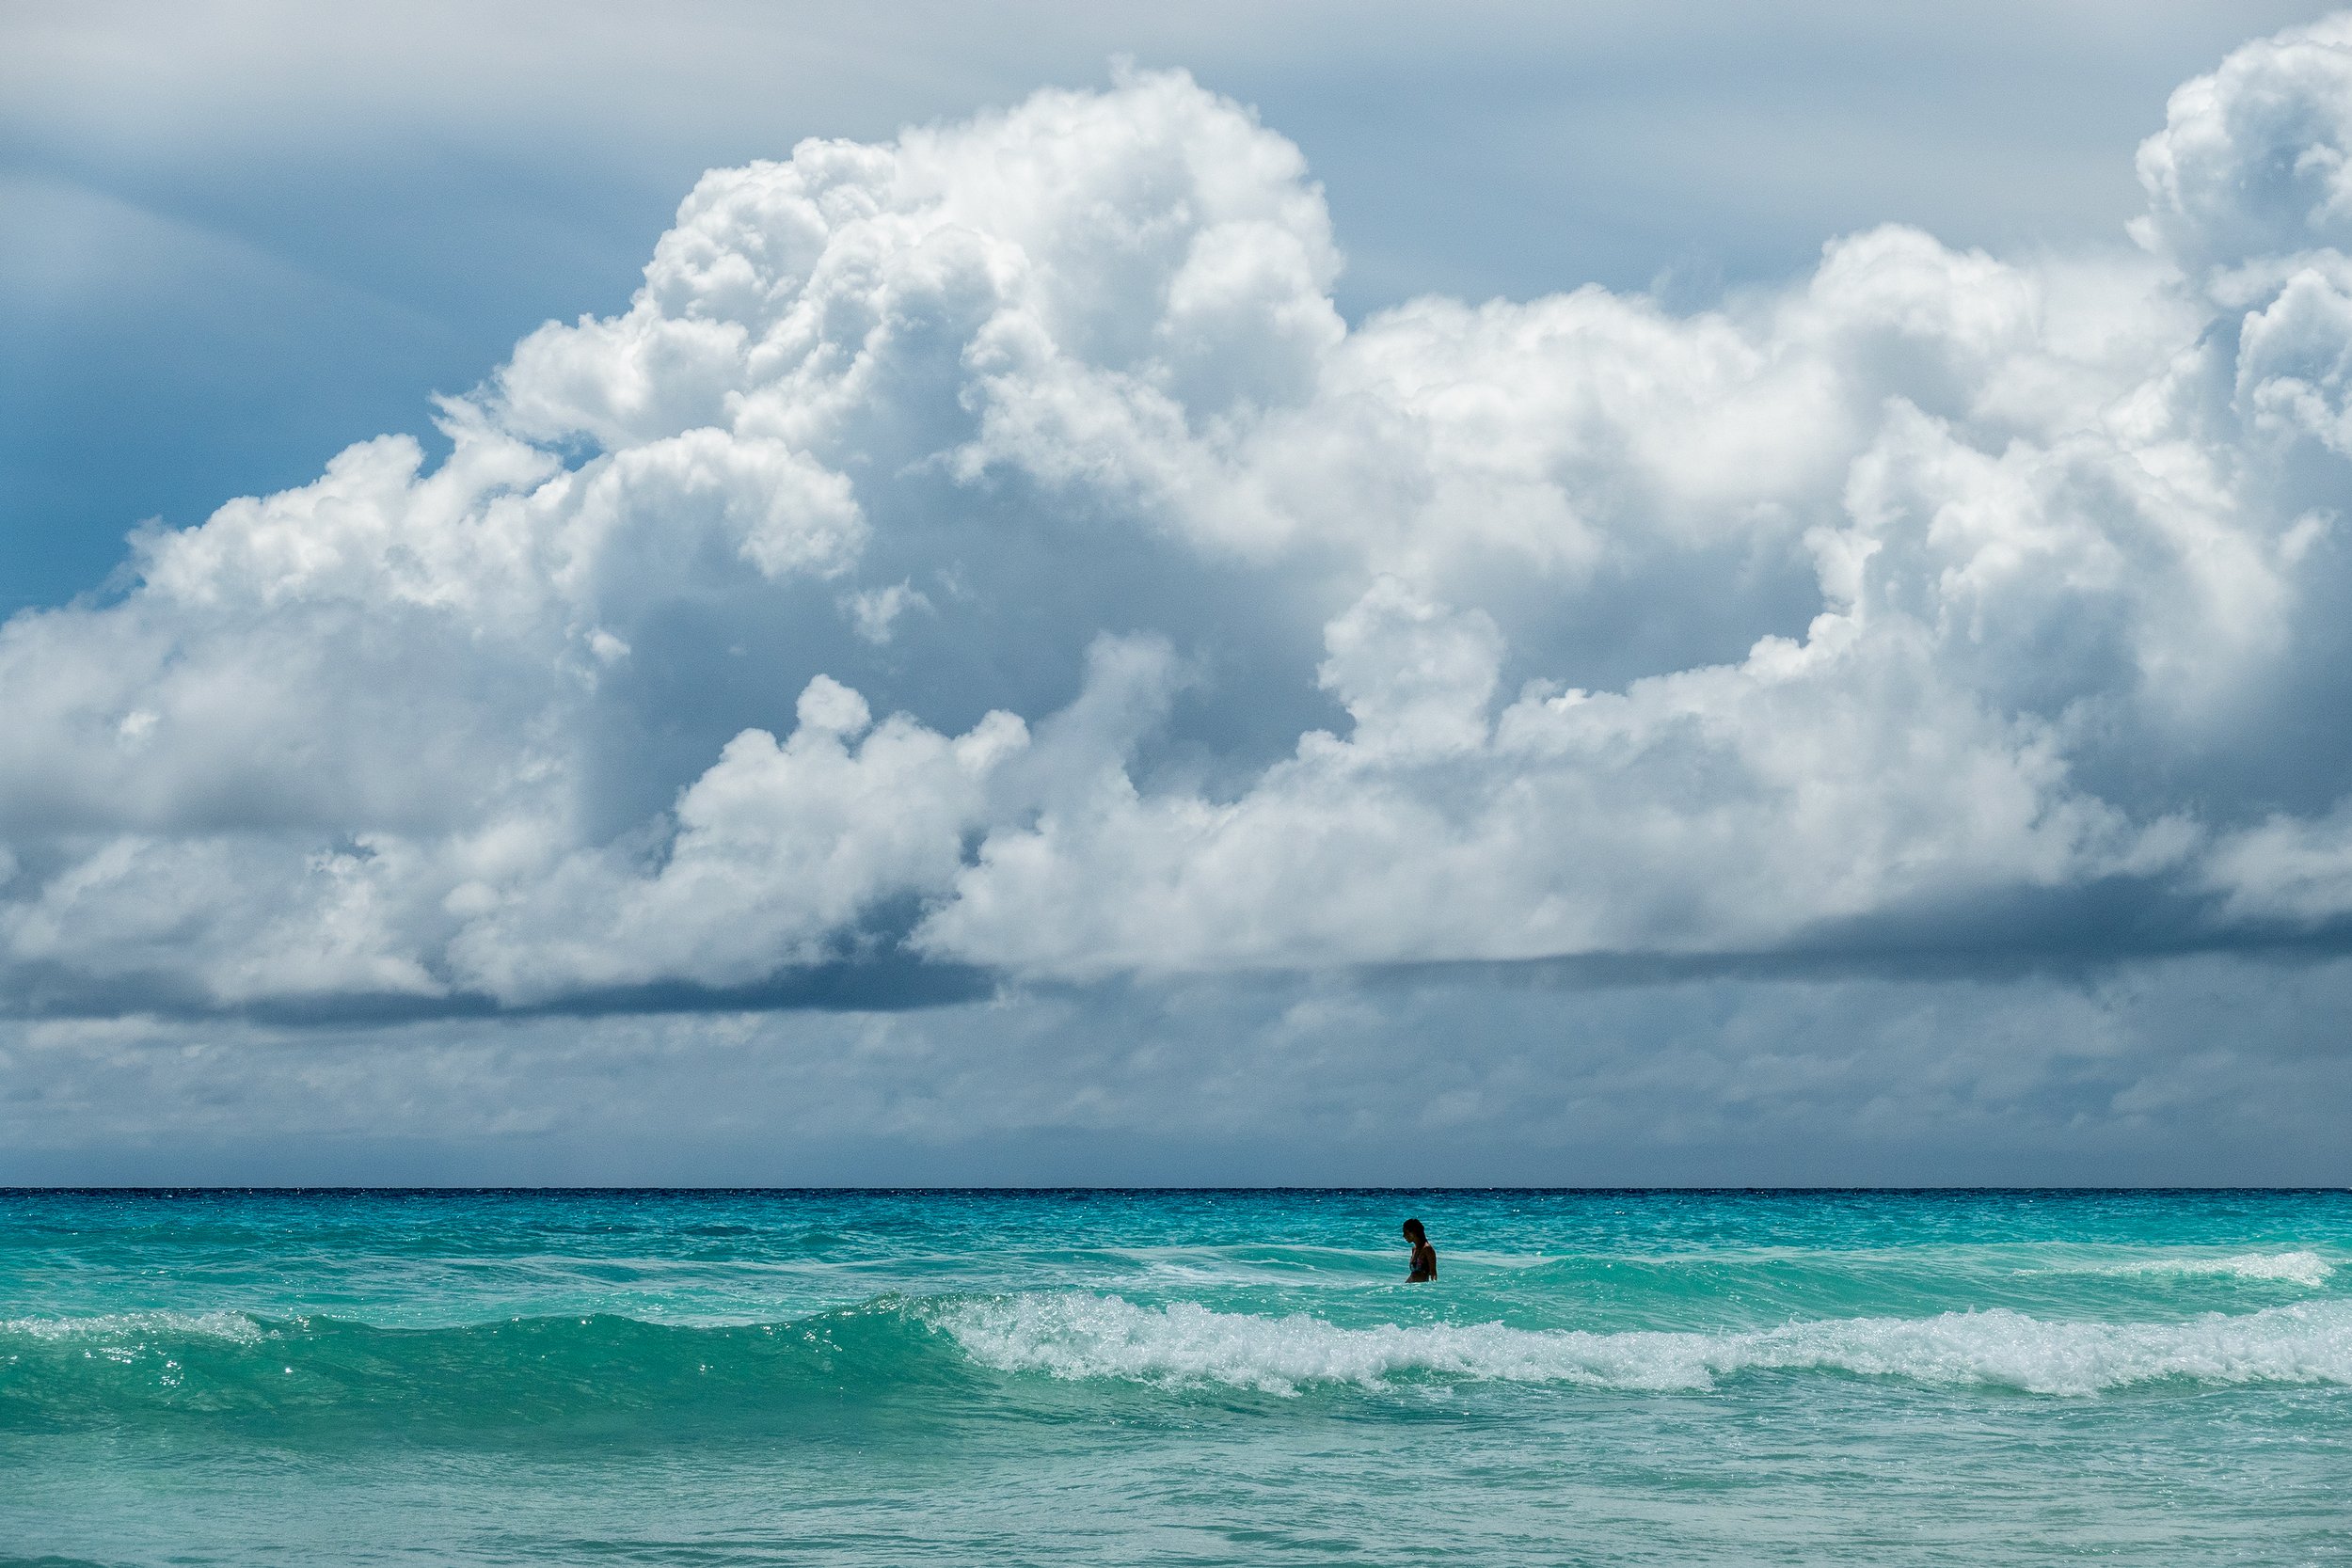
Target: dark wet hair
(1412,1229)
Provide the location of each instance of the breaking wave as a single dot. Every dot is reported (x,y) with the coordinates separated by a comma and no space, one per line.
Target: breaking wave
(115,1329)
(2293,1268)
(1083,1335)
(610,1374)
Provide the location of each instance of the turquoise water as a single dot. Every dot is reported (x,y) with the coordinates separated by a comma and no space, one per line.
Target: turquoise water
(1174,1378)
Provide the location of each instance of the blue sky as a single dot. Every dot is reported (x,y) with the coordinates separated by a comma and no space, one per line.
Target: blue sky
(1659,595)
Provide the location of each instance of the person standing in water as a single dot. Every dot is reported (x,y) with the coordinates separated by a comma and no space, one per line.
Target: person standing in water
(1425,1266)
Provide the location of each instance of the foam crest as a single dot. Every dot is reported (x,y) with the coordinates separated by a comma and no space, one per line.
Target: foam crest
(2295,1268)
(234,1326)
(1076,1335)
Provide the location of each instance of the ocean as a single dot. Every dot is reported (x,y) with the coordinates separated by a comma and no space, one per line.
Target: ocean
(1175,1377)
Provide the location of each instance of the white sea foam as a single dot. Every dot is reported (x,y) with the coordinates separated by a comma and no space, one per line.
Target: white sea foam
(122,1326)
(1074,1335)
(2295,1268)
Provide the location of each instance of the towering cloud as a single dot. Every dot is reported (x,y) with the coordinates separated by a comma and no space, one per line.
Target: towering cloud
(994,549)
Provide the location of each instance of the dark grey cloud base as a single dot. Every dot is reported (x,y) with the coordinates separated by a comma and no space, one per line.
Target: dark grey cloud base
(2190,1071)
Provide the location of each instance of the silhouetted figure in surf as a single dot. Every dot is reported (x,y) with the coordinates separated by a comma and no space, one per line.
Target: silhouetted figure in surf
(1424,1269)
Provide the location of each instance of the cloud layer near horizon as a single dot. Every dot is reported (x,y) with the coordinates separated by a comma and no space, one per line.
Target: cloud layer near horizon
(2198,1069)
(992,550)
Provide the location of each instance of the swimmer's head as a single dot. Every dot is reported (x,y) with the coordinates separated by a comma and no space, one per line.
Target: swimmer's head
(1414,1233)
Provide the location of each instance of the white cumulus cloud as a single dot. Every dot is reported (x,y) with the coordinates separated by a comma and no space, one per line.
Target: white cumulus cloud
(994,547)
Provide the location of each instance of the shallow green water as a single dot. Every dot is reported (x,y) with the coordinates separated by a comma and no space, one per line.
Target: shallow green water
(1173,1377)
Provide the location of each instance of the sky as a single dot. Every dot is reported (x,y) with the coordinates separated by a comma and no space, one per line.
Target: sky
(1643,594)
